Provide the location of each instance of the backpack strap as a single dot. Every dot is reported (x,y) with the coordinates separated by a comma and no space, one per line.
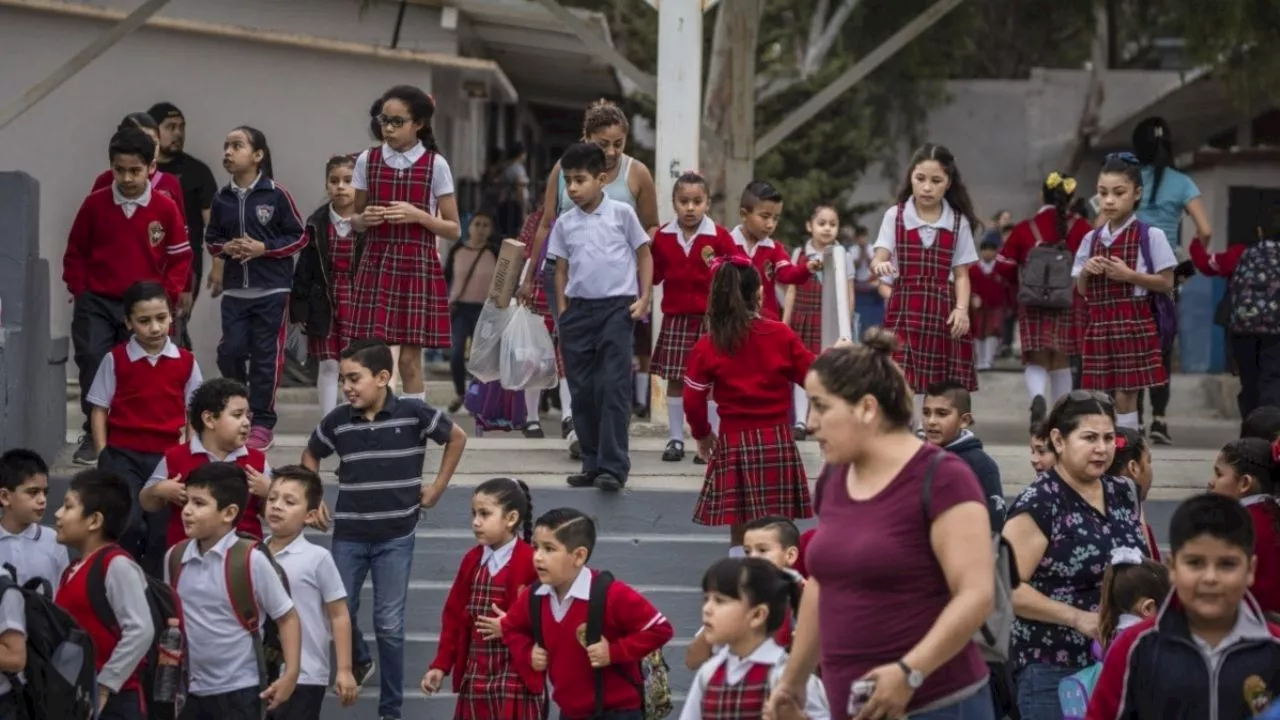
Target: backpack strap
(175,562)
(595,626)
(96,581)
(1035,232)
(238,568)
(926,488)
(535,614)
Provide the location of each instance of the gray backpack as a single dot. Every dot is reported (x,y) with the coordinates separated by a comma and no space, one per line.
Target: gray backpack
(1045,279)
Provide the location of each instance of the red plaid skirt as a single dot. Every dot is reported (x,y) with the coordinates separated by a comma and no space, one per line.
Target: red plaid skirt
(985,322)
(491,688)
(926,351)
(806,315)
(746,699)
(1121,346)
(675,340)
(330,346)
(1057,330)
(754,474)
(400,296)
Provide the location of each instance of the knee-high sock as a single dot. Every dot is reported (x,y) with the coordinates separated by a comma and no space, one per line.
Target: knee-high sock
(675,418)
(566,400)
(1060,383)
(1037,379)
(713,416)
(531,398)
(1129,420)
(992,347)
(642,389)
(800,401)
(327,384)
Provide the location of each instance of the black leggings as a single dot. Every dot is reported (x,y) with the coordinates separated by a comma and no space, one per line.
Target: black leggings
(462,325)
(1160,394)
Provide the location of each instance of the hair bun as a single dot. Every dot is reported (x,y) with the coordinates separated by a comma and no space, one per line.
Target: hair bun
(880,340)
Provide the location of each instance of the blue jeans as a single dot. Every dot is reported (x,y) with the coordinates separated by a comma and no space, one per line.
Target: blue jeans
(975,707)
(390,562)
(1038,690)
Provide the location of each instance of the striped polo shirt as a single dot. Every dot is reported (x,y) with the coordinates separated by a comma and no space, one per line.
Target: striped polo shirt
(380,469)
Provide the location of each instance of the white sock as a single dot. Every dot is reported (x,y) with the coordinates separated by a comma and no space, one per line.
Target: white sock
(992,346)
(675,418)
(566,401)
(642,389)
(713,416)
(737,551)
(1060,382)
(800,401)
(1129,420)
(1037,379)
(327,384)
(980,354)
(531,398)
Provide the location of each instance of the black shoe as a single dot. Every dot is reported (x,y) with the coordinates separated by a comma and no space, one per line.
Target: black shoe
(800,432)
(1160,433)
(1038,410)
(86,453)
(608,483)
(534,430)
(674,451)
(455,405)
(697,459)
(582,480)
(566,427)
(641,412)
(362,672)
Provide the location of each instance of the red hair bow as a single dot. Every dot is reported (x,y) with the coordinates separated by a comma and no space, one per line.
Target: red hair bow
(1121,442)
(1275,451)
(735,260)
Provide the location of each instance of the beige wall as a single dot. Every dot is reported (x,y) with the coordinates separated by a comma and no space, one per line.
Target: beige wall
(1215,185)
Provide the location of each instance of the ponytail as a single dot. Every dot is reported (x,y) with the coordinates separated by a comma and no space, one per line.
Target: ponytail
(1057,191)
(732,304)
(258,141)
(1129,579)
(512,495)
(526,522)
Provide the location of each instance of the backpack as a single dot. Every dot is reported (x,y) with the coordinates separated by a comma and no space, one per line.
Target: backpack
(1255,291)
(266,644)
(1164,311)
(163,602)
(59,681)
(1045,279)
(654,686)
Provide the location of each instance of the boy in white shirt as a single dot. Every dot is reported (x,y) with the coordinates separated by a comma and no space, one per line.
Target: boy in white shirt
(13,649)
(31,548)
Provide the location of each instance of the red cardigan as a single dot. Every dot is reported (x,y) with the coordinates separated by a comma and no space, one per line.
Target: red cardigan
(1266,547)
(458,625)
(686,276)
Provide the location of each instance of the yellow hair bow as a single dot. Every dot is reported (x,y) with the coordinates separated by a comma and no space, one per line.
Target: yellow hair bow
(1055,179)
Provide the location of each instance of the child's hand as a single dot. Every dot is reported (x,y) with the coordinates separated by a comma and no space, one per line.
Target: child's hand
(815,265)
(172,490)
(1095,265)
(400,213)
(431,681)
(490,628)
(259,484)
(279,692)
(706,448)
(884,268)
(539,659)
(430,495)
(214,283)
(958,322)
(1117,270)
(185,301)
(639,308)
(104,694)
(373,215)
(323,518)
(599,654)
(345,687)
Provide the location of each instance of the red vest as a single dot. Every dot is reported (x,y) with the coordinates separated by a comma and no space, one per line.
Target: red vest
(180,461)
(149,408)
(73,596)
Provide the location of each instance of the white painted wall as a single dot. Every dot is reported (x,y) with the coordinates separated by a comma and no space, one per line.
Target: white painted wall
(1215,185)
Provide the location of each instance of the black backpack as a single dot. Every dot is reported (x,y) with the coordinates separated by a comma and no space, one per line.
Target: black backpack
(59,681)
(1045,279)
(163,602)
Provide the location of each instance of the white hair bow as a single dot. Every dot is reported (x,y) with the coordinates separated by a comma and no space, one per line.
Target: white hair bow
(1126,556)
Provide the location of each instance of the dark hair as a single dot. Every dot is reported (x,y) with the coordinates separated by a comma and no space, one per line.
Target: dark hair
(1153,144)
(1123,164)
(421,108)
(824,206)
(515,150)
(957,194)
(1124,586)
(1060,199)
(788,533)
(1065,415)
(212,397)
(583,156)
(756,192)
(1040,432)
(141,292)
(690,177)
(1134,446)
(1263,422)
(732,305)
(132,141)
(571,527)
(1214,515)
(756,582)
(336,162)
(1252,457)
(603,114)
(226,482)
(258,141)
(955,392)
(868,369)
(375,126)
(24,463)
(309,479)
(102,491)
(511,494)
(139,120)
(373,354)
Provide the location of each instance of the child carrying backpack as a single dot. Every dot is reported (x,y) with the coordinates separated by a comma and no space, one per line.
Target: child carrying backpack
(52,677)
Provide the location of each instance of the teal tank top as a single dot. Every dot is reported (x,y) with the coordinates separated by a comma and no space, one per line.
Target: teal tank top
(617,190)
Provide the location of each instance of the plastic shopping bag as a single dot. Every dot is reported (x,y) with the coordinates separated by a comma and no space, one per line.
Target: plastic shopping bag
(528,358)
(486,341)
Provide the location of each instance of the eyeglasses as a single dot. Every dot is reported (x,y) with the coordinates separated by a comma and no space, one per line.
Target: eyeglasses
(1125,157)
(1090,395)
(392,121)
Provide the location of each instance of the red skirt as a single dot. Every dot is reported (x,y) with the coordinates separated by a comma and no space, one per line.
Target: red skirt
(926,351)
(808,326)
(400,296)
(1121,347)
(675,341)
(754,474)
(1057,330)
(986,322)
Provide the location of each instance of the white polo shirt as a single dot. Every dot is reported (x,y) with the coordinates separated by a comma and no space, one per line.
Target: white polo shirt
(34,553)
(13,616)
(314,583)
(221,658)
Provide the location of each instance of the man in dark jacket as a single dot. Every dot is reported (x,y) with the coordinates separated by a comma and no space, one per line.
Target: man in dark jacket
(948,414)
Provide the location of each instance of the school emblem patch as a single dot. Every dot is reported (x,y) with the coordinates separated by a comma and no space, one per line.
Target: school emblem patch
(1256,694)
(155,233)
(264,213)
(768,269)
(582,634)
(708,254)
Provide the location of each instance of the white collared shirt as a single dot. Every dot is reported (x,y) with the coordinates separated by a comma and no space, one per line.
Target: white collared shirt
(579,590)
(769,653)
(341,225)
(811,252)
(495,560)
(706,227)
(314,582)
(13,618)
(130,205)
(220,651)
(740,238)
(964,252)
(600,247)
(441,174)
(242,191)
(197,448)
(1162,256)
(104,383)
(34,553)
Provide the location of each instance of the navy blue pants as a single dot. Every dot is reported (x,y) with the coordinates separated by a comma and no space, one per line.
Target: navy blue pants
(597,341)
(252,349)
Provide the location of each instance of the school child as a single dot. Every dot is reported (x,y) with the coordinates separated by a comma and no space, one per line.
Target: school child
(599,245)
(161,182)
(1245,471)
(318,594)
(404,194)
(121,235)
(1116,267)
(1043,456)
(13,652)
(93,516)
(1133,588)
(947,418)
(1157,669)
(1263,422)
(867,292)
(255,227)
(929,235)
(491,682)
(759,210)
(563,541)
(683,252)
(321,296)
(1133,461)
(25,544)
(746,602)
(989,294)
(1049,337)
(755,469)
(218,416)
(377,514)
(140,398)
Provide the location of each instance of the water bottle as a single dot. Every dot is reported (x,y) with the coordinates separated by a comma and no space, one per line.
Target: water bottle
(169,673)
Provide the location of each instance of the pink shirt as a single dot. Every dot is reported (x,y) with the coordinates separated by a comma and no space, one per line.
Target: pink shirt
(882,587)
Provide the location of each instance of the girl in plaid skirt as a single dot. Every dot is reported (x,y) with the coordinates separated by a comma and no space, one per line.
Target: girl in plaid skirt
(404,194)
(683,253)
(926,244)
(989,294)
(1116,267)
(490,683)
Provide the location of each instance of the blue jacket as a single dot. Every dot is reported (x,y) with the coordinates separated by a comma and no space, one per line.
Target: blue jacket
(968,447)
(266,213)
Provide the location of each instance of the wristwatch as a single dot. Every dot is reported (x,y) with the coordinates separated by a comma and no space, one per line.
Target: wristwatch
(915,678)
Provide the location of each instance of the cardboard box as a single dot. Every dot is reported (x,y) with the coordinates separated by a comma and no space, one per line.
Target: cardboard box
(506,273)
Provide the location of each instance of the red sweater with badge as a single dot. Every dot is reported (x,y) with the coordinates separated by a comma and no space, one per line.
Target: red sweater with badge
(73,596)
(1266,548)
(162,182)
(107,251)
(991,287)
(149,407)
(180,461)
(773,262)
(632,627)
(686,276)
(458,626)
(752,386)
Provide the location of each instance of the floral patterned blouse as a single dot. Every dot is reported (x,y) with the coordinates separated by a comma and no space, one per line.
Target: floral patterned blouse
(1080,544)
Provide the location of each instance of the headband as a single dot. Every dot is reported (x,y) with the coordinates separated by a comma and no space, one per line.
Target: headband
(735,260)
(1121,442)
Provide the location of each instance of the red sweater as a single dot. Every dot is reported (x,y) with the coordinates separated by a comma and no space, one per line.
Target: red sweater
(107,252)
(752,385)
(805,538)
(1013,254)
(686,276)
(1221,264)
(991,287)
(458,625)
(181,460)
(149,407)
(161,182)
(1266,547)
(73,596)
(774,264)
(632,627)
